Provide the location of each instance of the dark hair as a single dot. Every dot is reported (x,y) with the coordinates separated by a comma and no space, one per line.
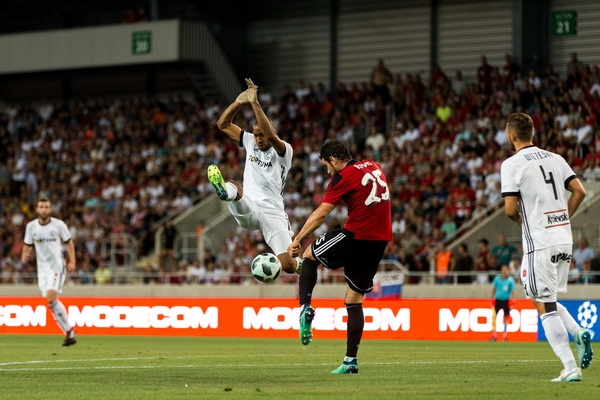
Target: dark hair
(522,125)
(335,148)
(43,199)
(484,241)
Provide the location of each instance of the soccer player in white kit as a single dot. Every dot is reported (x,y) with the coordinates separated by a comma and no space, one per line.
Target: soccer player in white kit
(258,205)
(47,234)
(534,185)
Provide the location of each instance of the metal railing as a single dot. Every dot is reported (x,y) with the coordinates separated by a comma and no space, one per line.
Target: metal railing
(191,246)
(120,251)
(177,278)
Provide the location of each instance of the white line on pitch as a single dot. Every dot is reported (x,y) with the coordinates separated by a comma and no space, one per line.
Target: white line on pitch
(137,358)
(256,365)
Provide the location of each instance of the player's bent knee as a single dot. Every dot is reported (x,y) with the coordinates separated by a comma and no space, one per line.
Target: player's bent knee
(51,297)
(550,307)
(288,264)
(308,254)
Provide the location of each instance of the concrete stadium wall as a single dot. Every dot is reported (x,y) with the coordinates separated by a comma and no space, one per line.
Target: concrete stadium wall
(576,292)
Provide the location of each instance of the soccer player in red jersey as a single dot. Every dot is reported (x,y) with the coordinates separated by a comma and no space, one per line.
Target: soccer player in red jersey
(357,247)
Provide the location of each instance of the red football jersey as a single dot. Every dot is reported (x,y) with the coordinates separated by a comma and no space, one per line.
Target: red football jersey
(363,188)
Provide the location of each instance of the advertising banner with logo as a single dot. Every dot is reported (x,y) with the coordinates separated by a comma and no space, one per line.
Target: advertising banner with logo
(410,319)
(585,313)
(387,284)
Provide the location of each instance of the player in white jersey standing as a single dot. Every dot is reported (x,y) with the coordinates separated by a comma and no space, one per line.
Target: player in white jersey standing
(534,185)
(47,234)
(258,205)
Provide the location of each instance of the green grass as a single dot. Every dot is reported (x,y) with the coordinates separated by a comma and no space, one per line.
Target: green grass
(98,367)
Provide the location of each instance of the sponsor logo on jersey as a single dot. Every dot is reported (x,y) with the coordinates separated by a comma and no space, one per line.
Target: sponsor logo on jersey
(561,257)
(45,240)
(260,163)
(557,218)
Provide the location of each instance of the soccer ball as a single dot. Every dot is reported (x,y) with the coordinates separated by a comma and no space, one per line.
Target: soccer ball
(587,314)
(266,267)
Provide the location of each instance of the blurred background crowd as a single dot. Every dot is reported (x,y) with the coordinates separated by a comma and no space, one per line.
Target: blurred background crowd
(128,164)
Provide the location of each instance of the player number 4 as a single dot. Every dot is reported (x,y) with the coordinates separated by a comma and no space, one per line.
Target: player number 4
(375,179)
(550,181)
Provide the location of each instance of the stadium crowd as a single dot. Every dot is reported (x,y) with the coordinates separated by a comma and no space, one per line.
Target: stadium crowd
(124,165)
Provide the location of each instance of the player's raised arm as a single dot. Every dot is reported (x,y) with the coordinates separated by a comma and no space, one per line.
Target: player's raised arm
(225,122)
(261,119)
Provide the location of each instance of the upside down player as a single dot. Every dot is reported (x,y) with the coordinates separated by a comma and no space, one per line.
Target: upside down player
(534,185)
(358,247)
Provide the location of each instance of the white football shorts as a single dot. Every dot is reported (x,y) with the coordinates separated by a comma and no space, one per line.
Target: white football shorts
(544,272)
(273,223)
(51,280)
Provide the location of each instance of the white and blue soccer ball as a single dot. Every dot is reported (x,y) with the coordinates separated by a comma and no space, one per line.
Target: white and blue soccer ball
(587,314)
(266,267)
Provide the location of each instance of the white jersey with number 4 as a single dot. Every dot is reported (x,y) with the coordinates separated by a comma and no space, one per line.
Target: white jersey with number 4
(48,242)
(539,179)
(265,173)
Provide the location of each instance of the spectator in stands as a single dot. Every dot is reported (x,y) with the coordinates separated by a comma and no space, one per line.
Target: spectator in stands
(464,264)
(587,275)
(375,141)
(574,70)
(167,255)
(482,262)
(534,80)
(583,252)
(509,69)
(443,264)
(412,243)
(503,250)
(102,274)
(449,225)
(380,78)
(484,73)
(458,83)
(574,272)
(409,262)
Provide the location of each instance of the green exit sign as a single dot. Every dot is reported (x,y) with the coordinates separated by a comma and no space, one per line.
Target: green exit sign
(141,42)
(564,23)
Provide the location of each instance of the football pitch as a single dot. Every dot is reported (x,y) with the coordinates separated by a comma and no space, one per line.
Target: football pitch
(103,367)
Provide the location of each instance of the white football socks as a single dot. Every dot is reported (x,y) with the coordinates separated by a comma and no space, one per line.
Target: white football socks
(567,319)
(60,315)
(231,191)
(559,339)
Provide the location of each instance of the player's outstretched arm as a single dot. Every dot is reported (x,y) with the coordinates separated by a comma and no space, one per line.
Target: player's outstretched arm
(314,220)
